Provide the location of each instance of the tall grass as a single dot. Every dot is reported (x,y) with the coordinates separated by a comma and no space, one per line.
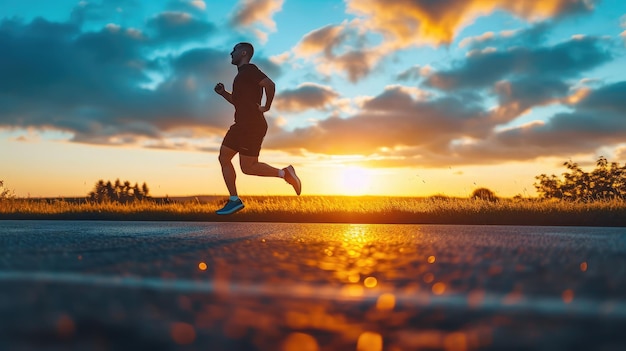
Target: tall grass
(343,209)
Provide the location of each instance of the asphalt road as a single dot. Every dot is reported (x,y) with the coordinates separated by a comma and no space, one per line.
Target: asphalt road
(260,286)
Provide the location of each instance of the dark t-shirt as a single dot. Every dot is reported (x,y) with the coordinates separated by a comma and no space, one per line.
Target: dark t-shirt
(247,94)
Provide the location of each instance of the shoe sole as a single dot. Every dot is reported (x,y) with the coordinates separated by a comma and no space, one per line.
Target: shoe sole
(292,173)
(231,211)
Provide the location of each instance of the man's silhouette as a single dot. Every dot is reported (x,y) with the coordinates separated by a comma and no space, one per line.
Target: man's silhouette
(246,135)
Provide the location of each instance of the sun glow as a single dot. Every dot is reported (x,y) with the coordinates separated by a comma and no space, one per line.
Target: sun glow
(354,181)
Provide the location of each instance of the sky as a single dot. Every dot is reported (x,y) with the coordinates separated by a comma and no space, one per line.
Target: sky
(373,97)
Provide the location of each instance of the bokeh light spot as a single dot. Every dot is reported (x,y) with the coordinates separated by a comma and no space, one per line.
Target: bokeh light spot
(370,282)
(431,259)
(583,266)
(300,342)
(455,342)
(352,290)
(182,333)
(386,302)
(568,295)
(439,288)
(369,341)
(65,326)
(202,266)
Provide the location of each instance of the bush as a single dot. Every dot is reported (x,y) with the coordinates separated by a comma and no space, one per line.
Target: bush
(606,181)
(484,194)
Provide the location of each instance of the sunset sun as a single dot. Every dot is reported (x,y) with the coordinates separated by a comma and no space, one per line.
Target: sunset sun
(354,181)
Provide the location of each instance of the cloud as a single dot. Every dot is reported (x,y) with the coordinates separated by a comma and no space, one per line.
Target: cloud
(406,23)
(199,4)
(195,7)
(564,60)
(103,11)
(304,97)
(323,40)
(623,25)
(620,154)
(351,47)
(250,13)
(412,73)
(396,128)
(609,98)
(392,119)
(178,27)
(519,96)
(596,121)
(533,36)
(327,48)
(100,86)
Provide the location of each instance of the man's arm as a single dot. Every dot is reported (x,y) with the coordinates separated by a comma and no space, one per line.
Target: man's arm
(219,88)
(270,90)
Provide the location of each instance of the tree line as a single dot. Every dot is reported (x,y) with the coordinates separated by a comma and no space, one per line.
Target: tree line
(119,192)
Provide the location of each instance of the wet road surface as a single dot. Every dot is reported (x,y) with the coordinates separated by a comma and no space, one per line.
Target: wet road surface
(260,286)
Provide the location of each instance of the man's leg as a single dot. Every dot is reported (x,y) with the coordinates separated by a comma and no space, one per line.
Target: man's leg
(250,165)
(228,170)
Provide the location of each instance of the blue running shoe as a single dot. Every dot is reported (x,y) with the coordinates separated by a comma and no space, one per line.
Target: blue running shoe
(231,207)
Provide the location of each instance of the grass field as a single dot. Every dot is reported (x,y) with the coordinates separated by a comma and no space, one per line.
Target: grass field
(331,209)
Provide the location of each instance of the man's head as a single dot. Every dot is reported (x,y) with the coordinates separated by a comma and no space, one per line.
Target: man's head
(241,54)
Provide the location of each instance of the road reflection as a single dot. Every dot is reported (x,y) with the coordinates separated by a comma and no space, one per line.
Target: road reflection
(349,288)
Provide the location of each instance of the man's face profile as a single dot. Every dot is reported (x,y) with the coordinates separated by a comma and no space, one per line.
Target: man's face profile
(237,54)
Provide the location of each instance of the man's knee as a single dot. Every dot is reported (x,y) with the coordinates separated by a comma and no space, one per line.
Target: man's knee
(224,158)
(248,168)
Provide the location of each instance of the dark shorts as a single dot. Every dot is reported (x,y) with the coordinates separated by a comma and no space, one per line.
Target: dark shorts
(246,140)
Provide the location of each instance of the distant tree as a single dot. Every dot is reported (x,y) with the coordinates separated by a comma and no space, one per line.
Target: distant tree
(118,191)
(144,189)
(140,193)
(606,181)
(5,193)
(137,192)
(109,190)
(484,194)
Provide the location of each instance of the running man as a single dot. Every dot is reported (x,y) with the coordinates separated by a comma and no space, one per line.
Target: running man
(246,135)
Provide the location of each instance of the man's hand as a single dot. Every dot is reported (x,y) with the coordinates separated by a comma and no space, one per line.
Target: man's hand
(219,88)
(270,89)
(263,108)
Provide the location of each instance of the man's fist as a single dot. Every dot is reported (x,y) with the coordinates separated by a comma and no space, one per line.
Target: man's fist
(219,88)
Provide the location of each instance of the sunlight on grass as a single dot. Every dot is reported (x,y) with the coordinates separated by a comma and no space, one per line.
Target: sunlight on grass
(366,209)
